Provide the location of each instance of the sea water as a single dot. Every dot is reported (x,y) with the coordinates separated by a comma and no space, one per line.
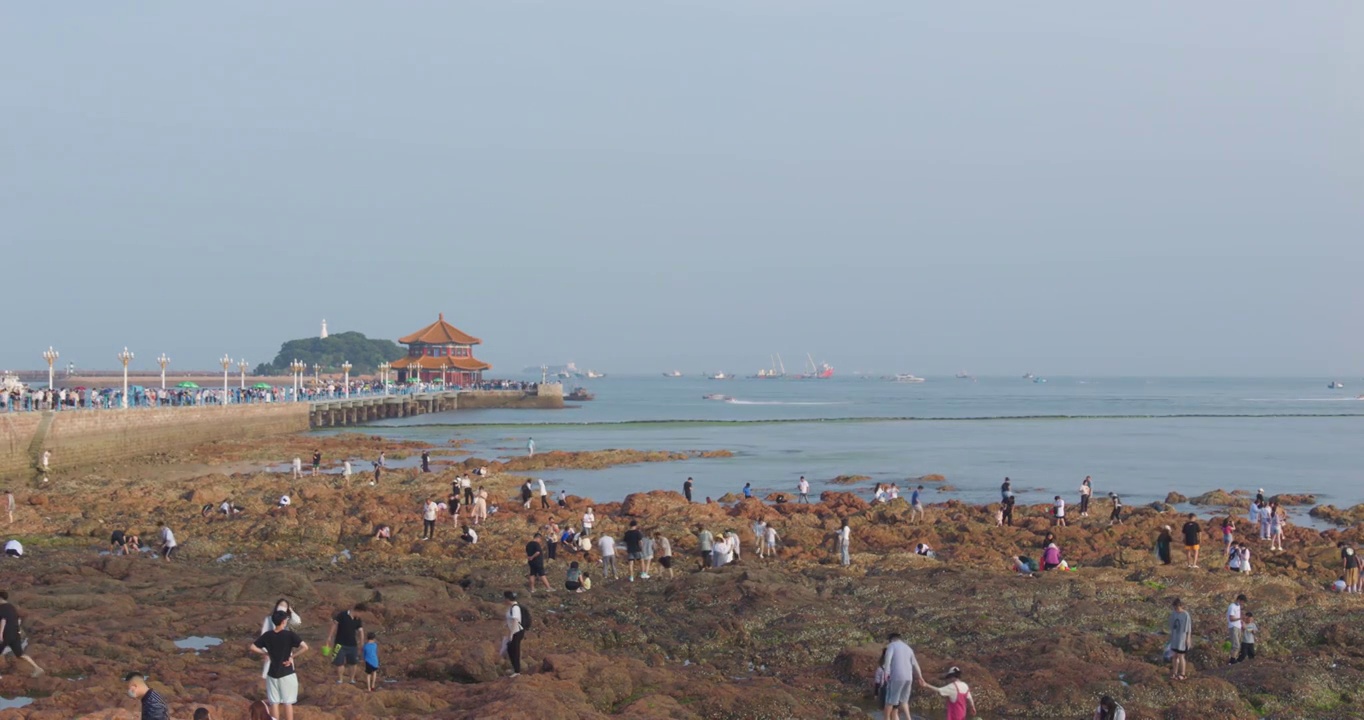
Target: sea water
(1140,437)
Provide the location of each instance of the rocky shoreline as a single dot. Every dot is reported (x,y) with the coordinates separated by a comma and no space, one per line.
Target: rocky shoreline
(793,637)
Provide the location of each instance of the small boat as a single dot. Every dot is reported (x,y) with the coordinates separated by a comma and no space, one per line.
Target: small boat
(717,396)
(673,374)
(593,375)
(1029,376)
(1336,385)
(908,378)
(580,395)
(1039,380)
(963,375)
(719,376)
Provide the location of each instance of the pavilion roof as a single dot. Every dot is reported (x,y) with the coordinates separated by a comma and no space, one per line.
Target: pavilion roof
(468,364)
(440,333)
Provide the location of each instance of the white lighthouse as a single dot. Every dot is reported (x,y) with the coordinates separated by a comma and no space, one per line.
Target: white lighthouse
(324,329)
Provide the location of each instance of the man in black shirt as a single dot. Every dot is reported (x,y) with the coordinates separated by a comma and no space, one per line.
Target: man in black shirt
(348,632)
(686,489)
(1192,533)
(153,706)
(10,637)
(535,561)
(281,645)
(634,547)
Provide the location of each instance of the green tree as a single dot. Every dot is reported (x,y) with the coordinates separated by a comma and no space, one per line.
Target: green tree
(363,354)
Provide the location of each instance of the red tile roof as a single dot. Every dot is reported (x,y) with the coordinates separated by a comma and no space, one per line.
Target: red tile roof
(440,333)
(468,364)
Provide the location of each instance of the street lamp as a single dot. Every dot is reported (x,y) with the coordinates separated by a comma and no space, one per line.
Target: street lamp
(125,357)
(298,366)
(383,374)
(345,368)
(163,361)
(50,356)
(444,369)
(241,365)
(317,374)
(226,362)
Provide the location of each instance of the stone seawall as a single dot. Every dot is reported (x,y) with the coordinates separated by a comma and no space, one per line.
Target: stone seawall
(81,438)
(546,399)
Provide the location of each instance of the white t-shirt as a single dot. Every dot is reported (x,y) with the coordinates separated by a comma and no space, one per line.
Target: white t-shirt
(589,519)
(844,534)
(465,482)
(513,619)
(771,535)
(429,511)
(167,537)
(1234,615)
(953,689)
(1060,508)
(14,545)
(804,487)
(345,471)
(607,545)
(543,491)
(1084,490)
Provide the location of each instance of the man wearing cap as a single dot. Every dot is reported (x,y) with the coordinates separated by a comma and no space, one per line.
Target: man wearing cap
(901,669)
(281,645)
(958,695)
(515,632)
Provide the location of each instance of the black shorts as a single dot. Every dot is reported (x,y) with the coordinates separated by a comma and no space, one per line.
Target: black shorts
(537,569)
(15,645)
(346,655)
(666,561)
(370,669)
(1178,652)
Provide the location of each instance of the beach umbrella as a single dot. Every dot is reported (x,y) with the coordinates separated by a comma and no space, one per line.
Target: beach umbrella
(188,384)
(262,386)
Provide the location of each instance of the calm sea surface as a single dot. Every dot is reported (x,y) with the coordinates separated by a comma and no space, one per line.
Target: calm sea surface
(1141,437)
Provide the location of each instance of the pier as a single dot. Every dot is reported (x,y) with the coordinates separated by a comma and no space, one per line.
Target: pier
(347,412)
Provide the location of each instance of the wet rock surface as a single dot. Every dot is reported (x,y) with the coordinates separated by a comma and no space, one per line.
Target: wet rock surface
(797,636)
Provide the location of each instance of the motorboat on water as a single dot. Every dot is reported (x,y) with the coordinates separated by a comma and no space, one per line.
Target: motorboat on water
(719,376)
(1039,380)
(673,374)
(593,375)
(717,396)
(1336,385)
(580,395)
(1029,376)
(907,378)
(963,375)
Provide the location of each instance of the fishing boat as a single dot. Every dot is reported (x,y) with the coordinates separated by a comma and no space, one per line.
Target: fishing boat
(593,375)
(907,378)
(718,376)
(717,396)
(1336,385)
(823,371)
(673,374)
(963,375)
(580,395)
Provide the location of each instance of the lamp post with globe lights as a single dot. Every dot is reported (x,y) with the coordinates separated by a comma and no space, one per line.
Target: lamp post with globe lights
(163,361)
(226,362)
(383,374)
(345,368)
(241,365)
(298,367)
(50,356)
(317,373)
(125,357)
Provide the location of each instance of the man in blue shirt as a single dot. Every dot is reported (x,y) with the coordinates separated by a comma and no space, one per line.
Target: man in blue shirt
(153,706)
(748,490)
(916,507)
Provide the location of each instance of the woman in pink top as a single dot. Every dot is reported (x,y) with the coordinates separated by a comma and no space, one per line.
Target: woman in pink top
(1051,557)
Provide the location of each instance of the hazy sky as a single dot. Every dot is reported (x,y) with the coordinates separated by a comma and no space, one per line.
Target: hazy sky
(1067,188)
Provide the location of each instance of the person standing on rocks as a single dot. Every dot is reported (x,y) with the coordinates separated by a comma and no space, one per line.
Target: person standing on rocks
(1115,518)
(759,528)
(1086,489)
(748,490)
(348,634)
(526,494)
(563,498)
(298,468)
(552,540)
(1228,534)
(686,489)
(544,495)
(168,544)
(665,553)
(1181,638)
(1264,519)
(1163,542)
(770,538)
(1248,632)
(607,546)
(426,461)
(589,519)
(1276,523)
(845,543)
(11,635)
(429,511)
(1006,490)
(516,632)
(706,545)
(1006,511)
(153,705)
(371,658)
(1234,626)
(634,549)
(916,506)
(346,470)
(646,545)
(1350,561)
(535,562)
(281,605)
(1192,532)
(901,671)
(530,447)
(480,512)
(467,485)
(317,461)
(1058,512)
(803,488)
(281,645)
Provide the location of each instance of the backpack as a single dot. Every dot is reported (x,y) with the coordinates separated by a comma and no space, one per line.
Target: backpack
(525,617)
